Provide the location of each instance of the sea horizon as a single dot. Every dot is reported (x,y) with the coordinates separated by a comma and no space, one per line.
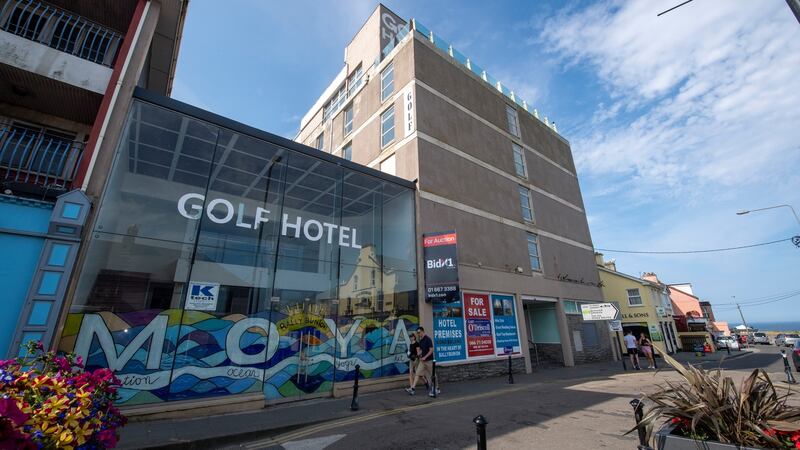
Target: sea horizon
(790,325)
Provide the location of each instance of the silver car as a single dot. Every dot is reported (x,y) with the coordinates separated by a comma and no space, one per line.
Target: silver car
(786,340)
(760,338)
(727,342)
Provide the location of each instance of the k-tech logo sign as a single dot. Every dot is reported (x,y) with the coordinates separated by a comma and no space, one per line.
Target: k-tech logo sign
(441,267)
(202,296)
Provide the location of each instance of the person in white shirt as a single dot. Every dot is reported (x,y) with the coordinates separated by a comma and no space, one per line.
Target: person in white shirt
(633,349)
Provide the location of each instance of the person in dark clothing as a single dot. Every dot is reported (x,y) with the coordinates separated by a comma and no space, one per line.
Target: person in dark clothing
(425,365)
(413,358)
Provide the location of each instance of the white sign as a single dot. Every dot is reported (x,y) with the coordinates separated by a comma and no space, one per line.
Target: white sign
(408,110)
(599,311)
(220,210)
(615,325)
(660,311)
(202,296)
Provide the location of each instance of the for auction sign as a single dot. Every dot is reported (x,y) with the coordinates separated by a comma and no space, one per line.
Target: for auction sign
(441,267)
(478,323)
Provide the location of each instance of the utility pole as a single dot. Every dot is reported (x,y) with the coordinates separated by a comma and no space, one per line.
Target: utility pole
(740,310)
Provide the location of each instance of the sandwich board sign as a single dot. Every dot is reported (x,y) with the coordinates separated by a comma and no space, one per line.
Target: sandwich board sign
(599,311)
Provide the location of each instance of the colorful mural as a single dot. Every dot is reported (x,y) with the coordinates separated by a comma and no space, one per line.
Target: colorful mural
(176,354)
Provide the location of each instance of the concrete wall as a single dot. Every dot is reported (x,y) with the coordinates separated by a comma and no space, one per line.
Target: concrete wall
(590,353)
(40,59)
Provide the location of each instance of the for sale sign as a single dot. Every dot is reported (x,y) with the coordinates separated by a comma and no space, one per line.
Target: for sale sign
(480,341)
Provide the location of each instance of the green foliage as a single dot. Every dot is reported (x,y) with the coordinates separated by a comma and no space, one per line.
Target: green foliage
(707,405)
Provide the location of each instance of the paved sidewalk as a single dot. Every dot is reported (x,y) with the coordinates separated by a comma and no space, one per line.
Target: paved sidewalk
(230,429)
(219,430)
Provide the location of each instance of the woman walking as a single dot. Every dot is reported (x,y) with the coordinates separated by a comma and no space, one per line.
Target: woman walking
(647,349)
(413,358)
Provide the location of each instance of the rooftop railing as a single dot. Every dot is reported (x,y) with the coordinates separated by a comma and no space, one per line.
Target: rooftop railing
(30,155)
(60,29)
(464,61)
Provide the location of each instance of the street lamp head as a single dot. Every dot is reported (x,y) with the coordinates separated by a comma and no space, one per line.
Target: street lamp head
(742,212)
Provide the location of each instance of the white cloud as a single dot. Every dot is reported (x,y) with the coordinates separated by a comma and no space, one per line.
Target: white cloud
(714,87)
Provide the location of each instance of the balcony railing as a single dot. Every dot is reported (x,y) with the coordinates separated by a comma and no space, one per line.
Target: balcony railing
(32,156)
(61,30)
(459,58)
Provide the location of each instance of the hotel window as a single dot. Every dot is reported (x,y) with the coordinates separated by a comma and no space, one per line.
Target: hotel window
(519,160)
(320,144)
(348,119)
(525,203)
(347,152)
(513,120)
(572,307)
(387,81)
(387,126)
(533,251)
(634,298)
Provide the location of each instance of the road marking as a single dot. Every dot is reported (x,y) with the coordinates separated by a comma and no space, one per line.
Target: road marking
(313,444)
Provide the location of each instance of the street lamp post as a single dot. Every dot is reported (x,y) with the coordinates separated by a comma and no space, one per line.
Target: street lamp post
(748,211)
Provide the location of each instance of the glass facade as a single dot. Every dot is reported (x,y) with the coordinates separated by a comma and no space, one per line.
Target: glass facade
(222,263)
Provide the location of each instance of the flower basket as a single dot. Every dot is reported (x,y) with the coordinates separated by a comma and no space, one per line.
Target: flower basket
(50,401)
(707,410)
(666,440)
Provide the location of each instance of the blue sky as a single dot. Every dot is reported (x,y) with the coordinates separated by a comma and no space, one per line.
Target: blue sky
(676,122)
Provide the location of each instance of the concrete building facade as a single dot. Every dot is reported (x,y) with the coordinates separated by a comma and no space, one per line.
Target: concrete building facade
(485,166)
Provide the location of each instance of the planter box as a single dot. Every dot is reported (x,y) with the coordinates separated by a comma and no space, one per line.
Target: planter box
(665,440)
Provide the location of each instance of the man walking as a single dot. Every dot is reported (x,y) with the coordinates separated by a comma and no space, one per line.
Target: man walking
(425,365)
(633,350)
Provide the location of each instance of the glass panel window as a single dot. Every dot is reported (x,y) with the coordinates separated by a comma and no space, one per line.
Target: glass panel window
(571,307)
(49,283)
(348,120)
(533,251)
(387,81)
(39,313)
(347,152)
(519,160)
(525,203)
(513,121)
(387,126)
(71,210)
(634,298)
(320,143)
(58,255)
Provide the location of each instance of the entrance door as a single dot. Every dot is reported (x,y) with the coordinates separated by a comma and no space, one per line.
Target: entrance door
(303,366)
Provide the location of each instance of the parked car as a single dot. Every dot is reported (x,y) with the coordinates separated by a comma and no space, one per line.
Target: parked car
(786,340)
(796,355)
(760,338)
(727,342)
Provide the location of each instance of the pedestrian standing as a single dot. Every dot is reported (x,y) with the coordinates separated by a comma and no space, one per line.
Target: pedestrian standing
(633,349)
(413,358)
(647,349)
(425,365)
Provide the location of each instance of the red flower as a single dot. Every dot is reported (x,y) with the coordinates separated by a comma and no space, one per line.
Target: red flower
(797,444)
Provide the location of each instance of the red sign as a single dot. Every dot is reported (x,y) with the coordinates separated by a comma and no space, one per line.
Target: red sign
(441,239)
(477,319)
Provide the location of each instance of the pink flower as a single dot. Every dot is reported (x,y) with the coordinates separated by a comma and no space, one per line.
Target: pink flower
(62,364)
(107,438)
(10,410)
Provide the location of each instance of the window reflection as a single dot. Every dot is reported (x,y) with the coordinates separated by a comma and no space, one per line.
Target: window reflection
(312,267)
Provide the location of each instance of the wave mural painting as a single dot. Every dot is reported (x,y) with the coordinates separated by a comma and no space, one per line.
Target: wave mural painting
(176,354)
